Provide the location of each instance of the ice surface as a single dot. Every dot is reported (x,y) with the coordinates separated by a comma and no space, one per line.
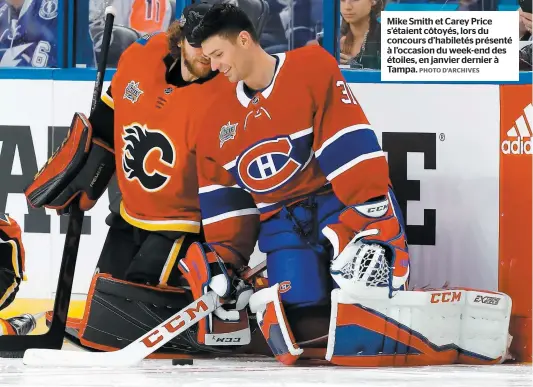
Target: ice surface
(261,372)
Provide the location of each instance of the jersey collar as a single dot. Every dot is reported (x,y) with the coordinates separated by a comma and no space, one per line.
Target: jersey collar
(241,94)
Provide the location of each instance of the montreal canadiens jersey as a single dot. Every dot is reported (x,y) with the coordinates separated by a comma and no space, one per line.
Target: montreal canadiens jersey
(28,36)
(305,133)
(153,140)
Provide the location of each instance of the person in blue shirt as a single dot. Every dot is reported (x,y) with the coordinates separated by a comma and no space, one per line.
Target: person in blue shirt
(28,33)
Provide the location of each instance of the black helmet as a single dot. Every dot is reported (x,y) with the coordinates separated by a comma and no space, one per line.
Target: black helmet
(190,19)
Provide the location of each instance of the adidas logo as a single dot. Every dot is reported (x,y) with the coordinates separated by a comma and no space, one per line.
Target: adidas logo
(522,131)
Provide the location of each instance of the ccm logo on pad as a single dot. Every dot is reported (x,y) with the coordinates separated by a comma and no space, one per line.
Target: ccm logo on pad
(443,297)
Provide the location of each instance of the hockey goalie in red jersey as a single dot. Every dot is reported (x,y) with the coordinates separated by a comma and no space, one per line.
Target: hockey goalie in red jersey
(286,150)
(140,132)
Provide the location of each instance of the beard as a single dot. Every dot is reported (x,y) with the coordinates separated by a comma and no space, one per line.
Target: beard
(193,64)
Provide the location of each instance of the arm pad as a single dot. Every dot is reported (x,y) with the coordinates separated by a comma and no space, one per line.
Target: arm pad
(80,168)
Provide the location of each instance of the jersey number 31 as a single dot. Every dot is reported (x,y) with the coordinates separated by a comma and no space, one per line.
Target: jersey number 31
(347,94)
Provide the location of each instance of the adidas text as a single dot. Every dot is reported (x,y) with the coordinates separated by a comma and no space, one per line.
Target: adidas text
(517,147)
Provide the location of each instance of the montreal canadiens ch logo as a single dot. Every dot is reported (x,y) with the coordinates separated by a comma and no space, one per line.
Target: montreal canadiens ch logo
(268,165)
(138,162)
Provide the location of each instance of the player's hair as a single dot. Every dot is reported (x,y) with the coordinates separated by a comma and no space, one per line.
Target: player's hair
(175,36)
(226,20)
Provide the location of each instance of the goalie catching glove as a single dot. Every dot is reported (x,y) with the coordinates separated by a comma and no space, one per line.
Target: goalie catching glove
(373,234)
(204,270)
(79,169)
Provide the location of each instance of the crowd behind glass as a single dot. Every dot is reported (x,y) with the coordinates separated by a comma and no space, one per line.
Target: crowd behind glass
(29,28)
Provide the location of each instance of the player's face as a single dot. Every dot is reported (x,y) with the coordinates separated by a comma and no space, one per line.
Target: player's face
(15,3)
(354,11)
(194,61)
(228,55)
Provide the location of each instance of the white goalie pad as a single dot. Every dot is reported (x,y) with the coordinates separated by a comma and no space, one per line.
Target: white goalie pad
(472,324)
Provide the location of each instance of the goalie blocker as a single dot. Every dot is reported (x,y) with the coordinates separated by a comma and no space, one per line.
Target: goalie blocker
(80,168)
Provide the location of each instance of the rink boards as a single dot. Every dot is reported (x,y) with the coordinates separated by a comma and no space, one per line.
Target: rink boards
(467,199)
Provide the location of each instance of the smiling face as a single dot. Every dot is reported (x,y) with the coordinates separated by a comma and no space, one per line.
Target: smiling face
(230,54)
(194,62)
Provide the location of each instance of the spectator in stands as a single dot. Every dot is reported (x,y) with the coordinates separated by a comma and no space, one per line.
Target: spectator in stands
(143,16)
(360,42)
(526,44)
(525,24)
(134,18)
(478,5)
(28,33)
(292,24)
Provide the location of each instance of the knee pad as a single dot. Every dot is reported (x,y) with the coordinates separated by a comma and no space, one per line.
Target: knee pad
(302,274)
(297,258)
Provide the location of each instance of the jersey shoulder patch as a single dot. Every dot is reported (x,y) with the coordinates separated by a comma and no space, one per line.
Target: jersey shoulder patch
(145,38)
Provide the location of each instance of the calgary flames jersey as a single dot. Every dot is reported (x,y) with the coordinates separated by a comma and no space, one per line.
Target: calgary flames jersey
(305,133)
(153,140)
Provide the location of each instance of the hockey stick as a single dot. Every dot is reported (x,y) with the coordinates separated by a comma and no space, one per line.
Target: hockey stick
(14,346)
(135,352)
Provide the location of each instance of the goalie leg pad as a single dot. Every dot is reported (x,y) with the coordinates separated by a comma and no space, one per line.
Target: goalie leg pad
(272,321)
(417,328)
(81,166)
(119,312)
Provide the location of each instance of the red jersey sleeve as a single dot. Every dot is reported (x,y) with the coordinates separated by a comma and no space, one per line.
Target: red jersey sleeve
(229,215)
(345,145)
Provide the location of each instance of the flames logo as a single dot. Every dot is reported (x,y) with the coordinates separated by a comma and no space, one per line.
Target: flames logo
(139,143)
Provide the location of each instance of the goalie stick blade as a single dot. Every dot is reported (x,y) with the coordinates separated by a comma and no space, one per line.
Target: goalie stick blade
(135,352)
(58,358)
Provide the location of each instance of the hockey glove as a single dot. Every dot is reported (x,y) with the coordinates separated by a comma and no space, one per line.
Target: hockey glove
(368,237)
(205,271)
